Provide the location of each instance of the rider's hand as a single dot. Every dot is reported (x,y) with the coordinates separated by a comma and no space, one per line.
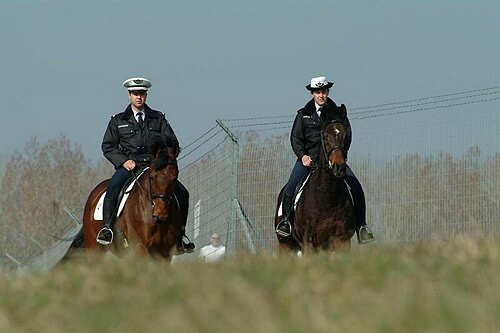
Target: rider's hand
(306,160)
(129,165)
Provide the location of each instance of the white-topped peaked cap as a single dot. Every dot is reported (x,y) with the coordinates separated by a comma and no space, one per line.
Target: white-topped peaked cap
(319,82)
(137,83)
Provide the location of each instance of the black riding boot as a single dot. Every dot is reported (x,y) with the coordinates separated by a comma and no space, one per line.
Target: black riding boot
(363,232)
(185,247)
(284,227)
(105,235)
(183,198)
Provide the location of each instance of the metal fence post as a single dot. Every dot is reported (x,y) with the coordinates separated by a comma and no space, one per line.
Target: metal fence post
(231,223)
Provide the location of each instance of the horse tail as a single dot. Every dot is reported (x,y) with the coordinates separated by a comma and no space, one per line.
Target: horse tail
(78,241)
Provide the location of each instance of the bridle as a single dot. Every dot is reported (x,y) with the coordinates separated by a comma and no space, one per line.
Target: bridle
(152,195)
(336,147)
(163,196)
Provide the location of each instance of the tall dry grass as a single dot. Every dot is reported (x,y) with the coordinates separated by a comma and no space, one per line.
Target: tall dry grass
(428,287)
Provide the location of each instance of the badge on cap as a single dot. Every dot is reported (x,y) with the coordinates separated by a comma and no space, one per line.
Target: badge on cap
(137,83)
(319,82)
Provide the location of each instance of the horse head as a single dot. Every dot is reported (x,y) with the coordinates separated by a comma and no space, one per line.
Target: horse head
(162,176)
(334,135)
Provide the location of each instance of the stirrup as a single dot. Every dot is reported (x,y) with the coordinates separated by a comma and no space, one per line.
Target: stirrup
(284,233)
(369,235)
(102,241)
(185,247)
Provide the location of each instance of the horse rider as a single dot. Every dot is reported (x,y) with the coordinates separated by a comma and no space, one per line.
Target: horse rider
(126,144)
(306,144)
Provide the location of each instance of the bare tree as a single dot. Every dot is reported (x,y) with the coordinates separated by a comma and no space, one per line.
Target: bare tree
(37,184)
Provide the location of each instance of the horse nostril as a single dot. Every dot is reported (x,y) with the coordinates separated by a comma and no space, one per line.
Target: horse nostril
(339,170)
(160,219)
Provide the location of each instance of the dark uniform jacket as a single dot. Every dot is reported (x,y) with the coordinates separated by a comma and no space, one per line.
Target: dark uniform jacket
(306,131)
(126,140)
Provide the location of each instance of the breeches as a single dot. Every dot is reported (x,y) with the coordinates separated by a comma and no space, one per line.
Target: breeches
(299,171)
(116,183)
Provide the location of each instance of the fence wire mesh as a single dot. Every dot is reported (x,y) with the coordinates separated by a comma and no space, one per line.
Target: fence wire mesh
(430,169)
(24,252)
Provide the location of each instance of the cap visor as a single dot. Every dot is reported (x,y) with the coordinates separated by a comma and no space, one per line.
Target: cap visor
(137,88)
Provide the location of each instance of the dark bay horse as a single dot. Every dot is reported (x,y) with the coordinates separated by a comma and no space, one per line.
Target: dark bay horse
(151,219)
(324,214)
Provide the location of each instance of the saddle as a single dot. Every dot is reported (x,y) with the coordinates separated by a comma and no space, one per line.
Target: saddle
(296,196)
(122,197)
(298,192)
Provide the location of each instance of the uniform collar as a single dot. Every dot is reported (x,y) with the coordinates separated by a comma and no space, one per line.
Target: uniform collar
(310,107)
(129,113)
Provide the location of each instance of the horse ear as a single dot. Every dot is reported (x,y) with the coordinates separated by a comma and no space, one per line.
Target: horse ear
(155,148)
(156,143)
(343,110)
(176,150)
(169,142)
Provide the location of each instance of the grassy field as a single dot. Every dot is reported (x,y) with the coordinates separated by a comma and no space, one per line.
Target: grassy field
(431,287)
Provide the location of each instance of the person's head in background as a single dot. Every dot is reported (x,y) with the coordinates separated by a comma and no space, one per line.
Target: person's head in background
(214,239)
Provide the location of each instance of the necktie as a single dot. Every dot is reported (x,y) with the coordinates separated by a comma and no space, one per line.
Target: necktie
(140,120)
(319,112)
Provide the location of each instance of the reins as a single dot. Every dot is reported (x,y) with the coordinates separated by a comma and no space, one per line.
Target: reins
(137,181)
(152,196)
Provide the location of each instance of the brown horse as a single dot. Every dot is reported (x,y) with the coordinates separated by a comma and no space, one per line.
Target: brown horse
(151,219)
(324,214)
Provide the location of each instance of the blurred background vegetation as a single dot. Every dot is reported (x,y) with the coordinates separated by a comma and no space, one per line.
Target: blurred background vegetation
(35,187)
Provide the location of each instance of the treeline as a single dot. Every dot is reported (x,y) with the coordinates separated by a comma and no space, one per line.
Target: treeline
(36,185)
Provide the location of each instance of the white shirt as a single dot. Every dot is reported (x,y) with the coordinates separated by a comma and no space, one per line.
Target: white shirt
(136,115)
(318,111)
(212,253)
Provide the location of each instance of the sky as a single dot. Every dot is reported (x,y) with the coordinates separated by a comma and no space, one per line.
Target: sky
(63,62)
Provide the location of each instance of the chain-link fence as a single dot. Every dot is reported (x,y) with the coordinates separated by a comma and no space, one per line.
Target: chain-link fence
(430,168)
(40,251)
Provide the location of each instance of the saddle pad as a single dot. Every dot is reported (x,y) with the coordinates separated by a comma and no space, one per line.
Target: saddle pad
(297,197)
(98,207)
(299,193)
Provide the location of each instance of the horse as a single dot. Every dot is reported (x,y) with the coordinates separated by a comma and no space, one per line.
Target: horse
(151,219)
(324,213)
